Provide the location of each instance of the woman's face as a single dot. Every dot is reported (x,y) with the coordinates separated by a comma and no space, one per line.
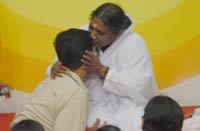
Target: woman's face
(100,34)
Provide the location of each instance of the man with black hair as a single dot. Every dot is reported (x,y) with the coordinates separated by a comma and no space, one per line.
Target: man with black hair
(162,113)
(61,104)
(108,128)
(27,125)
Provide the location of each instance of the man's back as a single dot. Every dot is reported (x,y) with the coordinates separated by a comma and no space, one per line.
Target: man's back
(55,104)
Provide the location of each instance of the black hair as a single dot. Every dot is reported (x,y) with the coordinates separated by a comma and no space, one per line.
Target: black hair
(162,113)
(27,125)
(108,128)
(112,16)
(70,46)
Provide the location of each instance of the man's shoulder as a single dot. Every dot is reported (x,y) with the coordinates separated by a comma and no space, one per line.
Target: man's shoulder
(59,83)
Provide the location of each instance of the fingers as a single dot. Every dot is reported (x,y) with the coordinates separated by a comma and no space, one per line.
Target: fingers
(104,124)
(90,59)
(61,68)
(90,54)
(86,62)
(95,126)
(87,59)
(55,74)
(58,69)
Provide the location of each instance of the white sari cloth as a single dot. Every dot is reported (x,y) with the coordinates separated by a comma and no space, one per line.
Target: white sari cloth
(129,85)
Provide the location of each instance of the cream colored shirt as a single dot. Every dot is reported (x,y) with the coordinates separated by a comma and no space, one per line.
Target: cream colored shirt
(59,105)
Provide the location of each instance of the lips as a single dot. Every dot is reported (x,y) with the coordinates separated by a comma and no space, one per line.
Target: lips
(94,41)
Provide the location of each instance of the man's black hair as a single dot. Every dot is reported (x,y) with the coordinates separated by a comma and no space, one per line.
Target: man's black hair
(112,16)
(108,128)
(162,113)
(27,125)
(70,46)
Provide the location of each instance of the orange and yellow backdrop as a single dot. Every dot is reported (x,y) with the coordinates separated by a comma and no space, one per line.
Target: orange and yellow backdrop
(170,28)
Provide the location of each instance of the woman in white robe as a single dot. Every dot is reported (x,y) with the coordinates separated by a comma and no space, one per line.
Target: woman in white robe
(121,79)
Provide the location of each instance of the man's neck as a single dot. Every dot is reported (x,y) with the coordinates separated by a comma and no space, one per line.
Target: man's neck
(81,73)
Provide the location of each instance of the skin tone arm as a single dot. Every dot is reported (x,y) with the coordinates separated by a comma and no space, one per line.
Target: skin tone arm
(90,61)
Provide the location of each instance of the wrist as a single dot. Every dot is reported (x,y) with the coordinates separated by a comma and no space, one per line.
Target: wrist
(104,72)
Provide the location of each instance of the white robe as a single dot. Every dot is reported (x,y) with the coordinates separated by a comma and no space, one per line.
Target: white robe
(129,84)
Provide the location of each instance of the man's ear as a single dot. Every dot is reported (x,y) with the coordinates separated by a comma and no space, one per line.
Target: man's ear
(142,123)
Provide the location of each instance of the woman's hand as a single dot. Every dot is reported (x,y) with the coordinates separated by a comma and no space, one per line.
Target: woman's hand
(92,62)
(58,69)
(96,125)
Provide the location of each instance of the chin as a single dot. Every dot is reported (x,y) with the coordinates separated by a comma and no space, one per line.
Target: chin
(97,44)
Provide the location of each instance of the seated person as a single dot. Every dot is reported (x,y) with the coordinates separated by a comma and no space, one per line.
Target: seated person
(162,114)
(62,104)
(27,125)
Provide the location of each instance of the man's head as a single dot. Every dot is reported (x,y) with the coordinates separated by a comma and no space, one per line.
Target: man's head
(162,114)
(108,128)
(106,23)
(70,46)
(27,125)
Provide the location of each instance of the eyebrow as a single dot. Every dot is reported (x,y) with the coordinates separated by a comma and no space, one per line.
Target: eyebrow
(99,31)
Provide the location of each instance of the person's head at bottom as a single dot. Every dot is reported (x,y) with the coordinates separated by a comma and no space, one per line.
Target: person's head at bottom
(108,128)
(27,125)
(162,113)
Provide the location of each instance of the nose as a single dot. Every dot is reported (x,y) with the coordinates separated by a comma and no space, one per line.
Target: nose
(93,35)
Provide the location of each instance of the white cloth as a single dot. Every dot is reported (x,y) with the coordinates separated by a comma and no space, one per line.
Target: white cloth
(129,84)
(192,124)
(58,105)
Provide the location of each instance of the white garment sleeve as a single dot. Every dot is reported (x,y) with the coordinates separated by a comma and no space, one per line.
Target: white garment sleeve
(133,76)
(48,71)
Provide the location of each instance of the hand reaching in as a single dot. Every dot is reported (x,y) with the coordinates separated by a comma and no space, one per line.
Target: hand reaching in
(96,125)
(58,69)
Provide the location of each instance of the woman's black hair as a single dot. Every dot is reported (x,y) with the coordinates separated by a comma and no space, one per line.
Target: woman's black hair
(112,16)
